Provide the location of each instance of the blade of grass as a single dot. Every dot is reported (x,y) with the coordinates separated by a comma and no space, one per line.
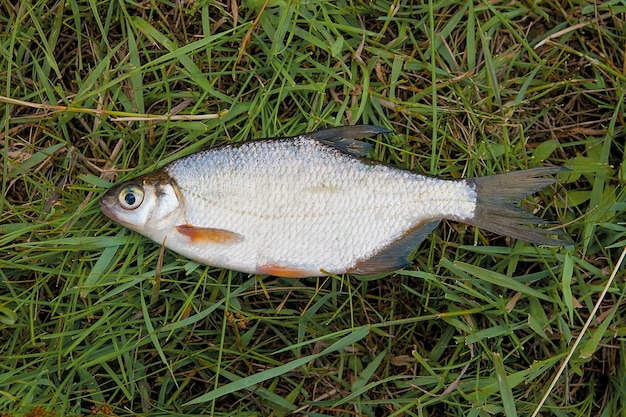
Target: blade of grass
(494,278)
(153,337)
(353,337)
(508,401)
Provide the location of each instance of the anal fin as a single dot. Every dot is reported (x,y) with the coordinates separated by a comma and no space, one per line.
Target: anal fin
(395,255)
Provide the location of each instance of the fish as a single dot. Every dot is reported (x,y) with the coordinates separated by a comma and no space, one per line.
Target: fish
(315,205)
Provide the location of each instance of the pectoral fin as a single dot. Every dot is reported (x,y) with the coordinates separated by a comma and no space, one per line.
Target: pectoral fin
(208,234)
(396,255)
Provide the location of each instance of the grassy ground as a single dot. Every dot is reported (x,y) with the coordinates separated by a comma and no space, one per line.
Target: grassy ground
(94,319)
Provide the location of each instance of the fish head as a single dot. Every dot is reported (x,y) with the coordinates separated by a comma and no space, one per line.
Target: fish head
(148,204)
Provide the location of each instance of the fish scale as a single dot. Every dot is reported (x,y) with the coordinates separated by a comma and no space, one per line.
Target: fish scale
(299,202)
(312,205)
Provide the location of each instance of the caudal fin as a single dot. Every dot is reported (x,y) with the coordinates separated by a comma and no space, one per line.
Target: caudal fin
(497,209)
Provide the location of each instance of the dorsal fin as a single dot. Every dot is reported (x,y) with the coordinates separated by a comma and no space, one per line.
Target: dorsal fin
(396,255)
(345,138)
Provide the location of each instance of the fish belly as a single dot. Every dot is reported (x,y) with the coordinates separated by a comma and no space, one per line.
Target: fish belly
(302,205)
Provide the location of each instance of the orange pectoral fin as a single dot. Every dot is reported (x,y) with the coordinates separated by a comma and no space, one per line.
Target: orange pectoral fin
(208,235)
(285,271)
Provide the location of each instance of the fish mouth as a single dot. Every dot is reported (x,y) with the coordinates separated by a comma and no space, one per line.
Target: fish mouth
(106,203)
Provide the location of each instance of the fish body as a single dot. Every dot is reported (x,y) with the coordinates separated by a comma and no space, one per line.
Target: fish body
(311,205)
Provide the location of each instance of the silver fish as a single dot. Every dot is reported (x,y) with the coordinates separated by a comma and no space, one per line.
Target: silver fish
(313,205)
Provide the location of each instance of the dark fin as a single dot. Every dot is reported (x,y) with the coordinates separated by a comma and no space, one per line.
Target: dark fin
(497,207)
(345,138)
(396,255)
(285,271)
(208,235)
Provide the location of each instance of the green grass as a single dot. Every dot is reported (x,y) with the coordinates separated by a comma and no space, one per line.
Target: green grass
(94,319)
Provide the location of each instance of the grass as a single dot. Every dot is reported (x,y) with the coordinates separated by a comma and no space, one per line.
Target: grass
(95,319)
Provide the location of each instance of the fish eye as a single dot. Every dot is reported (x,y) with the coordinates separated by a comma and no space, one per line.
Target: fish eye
(130,197)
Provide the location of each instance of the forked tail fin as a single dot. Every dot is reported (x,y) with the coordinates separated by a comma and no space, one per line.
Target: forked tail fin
(497,209)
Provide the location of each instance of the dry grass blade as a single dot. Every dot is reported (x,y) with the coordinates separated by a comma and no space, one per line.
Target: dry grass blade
(114,115)
(576,344)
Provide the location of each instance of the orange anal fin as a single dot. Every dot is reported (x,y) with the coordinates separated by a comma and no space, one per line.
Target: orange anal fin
(285,271)
(208,235)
